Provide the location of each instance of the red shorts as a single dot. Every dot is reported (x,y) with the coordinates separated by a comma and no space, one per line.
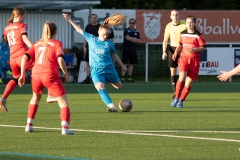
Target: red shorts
(51,81)
(15,64)
(190,65)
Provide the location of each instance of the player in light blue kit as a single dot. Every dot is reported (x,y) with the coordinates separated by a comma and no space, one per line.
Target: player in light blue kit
(100,51)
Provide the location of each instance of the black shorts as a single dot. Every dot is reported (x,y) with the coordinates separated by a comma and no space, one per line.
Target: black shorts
(129,57)
(171,62)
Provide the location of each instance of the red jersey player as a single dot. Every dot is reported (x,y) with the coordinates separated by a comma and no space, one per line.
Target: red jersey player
(16,33)
(191,43)
(47,54)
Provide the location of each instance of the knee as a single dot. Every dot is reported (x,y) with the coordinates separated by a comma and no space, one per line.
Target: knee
(119,86)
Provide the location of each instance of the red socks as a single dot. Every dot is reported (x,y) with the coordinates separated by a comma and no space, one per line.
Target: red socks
(32,110)
(65,114)
(9,88)
(185,92)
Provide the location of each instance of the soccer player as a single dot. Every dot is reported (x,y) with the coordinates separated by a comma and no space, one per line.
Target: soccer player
(91,28)
(191,45)
(47,54)
(100,51)
(172,32)
(226,75)
(16,33)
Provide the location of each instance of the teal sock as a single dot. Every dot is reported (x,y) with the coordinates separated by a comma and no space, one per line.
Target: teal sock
(105,97)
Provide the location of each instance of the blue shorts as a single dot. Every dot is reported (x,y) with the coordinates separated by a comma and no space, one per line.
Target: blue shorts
(104,74)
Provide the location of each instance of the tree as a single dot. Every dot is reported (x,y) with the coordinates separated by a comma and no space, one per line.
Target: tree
(171,4)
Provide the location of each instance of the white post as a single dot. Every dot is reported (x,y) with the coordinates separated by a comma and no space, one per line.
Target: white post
(146,67)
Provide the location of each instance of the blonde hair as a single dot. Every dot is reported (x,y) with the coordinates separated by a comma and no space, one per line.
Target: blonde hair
(113,20)
(49,30)
(16,12)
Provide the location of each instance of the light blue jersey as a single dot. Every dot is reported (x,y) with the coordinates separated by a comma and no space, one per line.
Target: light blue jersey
(99,51)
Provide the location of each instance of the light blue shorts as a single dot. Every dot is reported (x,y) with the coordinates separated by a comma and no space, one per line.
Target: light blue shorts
(104,74)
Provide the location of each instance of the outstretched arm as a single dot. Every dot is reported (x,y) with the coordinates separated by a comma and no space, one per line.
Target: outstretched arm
(225,75)
(78,28)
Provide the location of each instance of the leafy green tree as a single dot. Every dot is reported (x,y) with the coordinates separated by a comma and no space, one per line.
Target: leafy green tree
(171,4)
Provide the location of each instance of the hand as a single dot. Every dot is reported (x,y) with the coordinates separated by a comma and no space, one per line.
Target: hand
(124,68)
(65,16)
(164,55)
(174,56)
(66,78)
(224,76)
(190,51)
(21,81)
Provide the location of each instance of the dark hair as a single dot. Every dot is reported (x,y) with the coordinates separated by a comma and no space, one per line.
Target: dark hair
(132,19)
(94,15)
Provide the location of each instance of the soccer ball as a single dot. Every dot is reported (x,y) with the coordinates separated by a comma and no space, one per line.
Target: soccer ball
(125,105)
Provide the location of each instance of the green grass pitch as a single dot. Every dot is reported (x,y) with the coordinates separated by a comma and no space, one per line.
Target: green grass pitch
(207,128)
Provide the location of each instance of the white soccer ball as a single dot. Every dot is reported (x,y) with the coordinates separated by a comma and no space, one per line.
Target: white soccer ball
(125,105)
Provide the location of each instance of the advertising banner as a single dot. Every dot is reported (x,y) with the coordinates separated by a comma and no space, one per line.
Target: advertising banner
(213,60)
(216,26)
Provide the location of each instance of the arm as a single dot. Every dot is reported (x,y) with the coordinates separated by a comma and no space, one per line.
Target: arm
(117,59)
(178,49)
(199,49)
(164,47)
(225,75)
(84,46)
(132,39)
(21,80)
(63,67)
(26,40)
(78,28)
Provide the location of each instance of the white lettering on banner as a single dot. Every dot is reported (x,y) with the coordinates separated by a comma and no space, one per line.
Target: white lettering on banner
(226,28)
(237,53)
(237,61)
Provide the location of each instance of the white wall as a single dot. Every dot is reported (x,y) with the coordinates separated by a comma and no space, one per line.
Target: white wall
(35,23)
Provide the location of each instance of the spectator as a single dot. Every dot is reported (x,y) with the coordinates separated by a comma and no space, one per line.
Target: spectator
(129,54)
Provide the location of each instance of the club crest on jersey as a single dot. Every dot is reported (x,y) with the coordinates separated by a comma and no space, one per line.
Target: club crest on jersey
(152,25)
(25,29)
(106,45)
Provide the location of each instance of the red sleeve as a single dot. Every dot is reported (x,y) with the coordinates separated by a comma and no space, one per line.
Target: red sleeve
(24,29)
(59,49)
(201,41)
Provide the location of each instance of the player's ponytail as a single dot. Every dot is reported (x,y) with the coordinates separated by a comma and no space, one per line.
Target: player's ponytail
(10,20)
(113,20)
(16,12)
(49,30)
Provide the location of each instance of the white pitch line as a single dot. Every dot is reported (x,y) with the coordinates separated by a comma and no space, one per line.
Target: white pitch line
(145,134)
